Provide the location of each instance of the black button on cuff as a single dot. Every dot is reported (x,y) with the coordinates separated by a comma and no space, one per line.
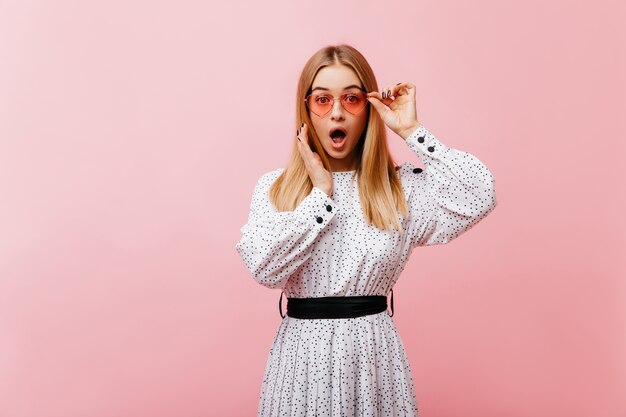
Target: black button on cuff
(319,220)
(431,149)
(417,170)
(329,208)
(420,139)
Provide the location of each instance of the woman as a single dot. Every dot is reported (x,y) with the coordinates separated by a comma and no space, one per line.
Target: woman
(334,229)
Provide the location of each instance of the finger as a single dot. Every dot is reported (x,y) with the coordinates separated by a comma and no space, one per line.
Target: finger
(301,133)
(301,139)
(304,140)
(386,94)
(379,96)
(303,154)
(403,88)
(399,89)
(312,157)
(375,94)
(380,107)
(406,88)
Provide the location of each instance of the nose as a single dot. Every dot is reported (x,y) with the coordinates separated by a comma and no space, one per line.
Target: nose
(336,112)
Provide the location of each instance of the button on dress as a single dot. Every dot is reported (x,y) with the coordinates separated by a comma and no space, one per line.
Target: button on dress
(353,366)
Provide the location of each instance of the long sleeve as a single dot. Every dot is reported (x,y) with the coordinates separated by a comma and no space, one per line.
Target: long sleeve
(453,192)
(274,244)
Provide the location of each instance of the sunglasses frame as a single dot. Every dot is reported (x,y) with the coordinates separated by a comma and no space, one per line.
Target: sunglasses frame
(332,104)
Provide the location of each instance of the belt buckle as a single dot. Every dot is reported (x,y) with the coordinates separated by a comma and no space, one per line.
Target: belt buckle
(280,305)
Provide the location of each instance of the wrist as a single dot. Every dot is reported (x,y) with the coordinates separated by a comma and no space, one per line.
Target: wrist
(404,134)
(324,189)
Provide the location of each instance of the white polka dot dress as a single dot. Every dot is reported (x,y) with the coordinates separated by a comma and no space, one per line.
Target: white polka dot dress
(353,366)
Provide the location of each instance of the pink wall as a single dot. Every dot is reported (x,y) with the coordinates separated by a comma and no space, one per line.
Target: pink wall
(132,134)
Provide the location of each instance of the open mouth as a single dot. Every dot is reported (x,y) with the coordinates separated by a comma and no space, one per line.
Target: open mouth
(338,136)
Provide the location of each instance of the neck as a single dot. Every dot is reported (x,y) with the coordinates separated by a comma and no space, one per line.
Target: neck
(340,165)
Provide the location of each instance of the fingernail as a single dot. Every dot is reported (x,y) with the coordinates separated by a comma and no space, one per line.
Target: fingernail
(383,94)
(302,124)
(398,83)
(388,93)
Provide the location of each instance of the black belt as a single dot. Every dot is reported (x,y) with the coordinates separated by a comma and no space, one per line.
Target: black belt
(335,307)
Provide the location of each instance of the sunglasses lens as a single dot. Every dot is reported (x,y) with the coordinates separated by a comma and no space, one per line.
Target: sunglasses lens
(354,102)
(321,104)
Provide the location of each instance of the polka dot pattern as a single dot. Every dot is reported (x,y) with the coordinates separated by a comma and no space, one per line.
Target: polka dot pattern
(354,366)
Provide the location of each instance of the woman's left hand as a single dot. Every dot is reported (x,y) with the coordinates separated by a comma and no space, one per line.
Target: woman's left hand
(399,113)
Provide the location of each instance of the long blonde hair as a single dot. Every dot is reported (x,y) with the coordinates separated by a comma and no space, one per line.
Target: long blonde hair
(380,189)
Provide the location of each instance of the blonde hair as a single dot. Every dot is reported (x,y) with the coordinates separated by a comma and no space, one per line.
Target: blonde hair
(380,189)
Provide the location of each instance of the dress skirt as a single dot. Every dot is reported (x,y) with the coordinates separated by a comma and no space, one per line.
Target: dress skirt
(338,367)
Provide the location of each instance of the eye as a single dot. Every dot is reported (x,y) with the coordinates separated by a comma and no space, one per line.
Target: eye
(321,99)
(352,98)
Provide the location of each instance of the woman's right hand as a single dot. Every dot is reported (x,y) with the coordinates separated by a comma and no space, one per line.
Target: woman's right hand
(320,177)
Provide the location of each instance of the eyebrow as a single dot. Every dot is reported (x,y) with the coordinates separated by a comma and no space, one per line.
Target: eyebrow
(345,88)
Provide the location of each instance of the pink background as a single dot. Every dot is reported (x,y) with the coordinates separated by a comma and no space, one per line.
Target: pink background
(132,134)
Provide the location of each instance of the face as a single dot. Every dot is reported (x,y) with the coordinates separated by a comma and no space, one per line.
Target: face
(336,80)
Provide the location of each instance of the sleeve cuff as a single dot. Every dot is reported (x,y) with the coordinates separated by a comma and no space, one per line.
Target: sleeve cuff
(317,209)
(423,142)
